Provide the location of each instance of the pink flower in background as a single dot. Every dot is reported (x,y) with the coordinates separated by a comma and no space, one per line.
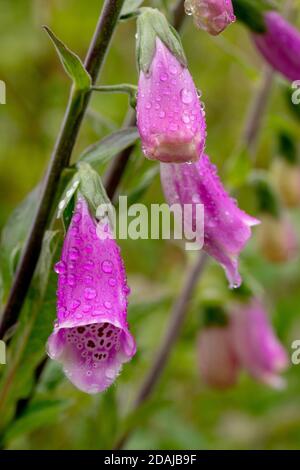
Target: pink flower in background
(286,177)
(256,346)
(277,239)
(218,364)
(91,337)
(226,228)
(170,118)
(211,15)
(280,45)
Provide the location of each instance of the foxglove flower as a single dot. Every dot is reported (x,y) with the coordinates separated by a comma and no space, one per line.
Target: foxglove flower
(277,239)
(91,337)
(170,117)
(256,346)
(280,45)
(218,364)
(226,228)
(211,15)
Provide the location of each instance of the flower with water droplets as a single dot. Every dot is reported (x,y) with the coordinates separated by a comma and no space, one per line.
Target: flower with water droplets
(170,117)
(280,45)
(211,15)
(226,227)
(91,336)
(256,346)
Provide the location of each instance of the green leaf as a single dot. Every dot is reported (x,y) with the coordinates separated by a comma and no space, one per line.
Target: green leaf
(101,152)
(14,235)
(129,8)
(71,63)
(36,415)
(28,345)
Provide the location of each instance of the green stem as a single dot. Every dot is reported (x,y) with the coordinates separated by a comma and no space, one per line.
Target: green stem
(77,106)
(130,90)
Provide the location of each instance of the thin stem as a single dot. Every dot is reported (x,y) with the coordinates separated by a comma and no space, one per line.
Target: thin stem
(174,327)
(130,90)
(77,106)
(257,111)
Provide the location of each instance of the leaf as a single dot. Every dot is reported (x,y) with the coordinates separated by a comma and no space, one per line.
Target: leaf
(102,151)
(91,187)
(14,235)
(130,7)
(36,414)
(28,345)
(71,63)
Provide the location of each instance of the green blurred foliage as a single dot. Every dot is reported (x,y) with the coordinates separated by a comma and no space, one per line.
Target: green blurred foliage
(182,413)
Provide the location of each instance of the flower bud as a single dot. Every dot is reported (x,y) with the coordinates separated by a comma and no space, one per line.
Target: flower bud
(256,346)
(279,44)
(170,118)
(211,15)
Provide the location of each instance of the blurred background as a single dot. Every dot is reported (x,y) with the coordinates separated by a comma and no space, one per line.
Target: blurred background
(182,413)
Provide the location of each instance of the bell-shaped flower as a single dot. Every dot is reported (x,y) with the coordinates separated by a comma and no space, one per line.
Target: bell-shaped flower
(211,15)
(280,45)
(226,227)
(256,345)
(91,338)
(170,116)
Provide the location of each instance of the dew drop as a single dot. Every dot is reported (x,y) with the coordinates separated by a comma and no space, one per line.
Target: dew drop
(163,77)
(76,217)
(107,266)
(162,114)
(186,96)
(112,282)
(107,304)
(60,267)
(90,293)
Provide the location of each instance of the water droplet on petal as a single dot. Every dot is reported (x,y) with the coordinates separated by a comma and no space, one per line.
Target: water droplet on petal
(186,96)
(163,77)
(112,282)
(107,266)
(90,293)
(60,267)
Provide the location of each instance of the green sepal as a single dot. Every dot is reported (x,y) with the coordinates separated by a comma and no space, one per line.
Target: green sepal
(267,200)
(151,24)
(251,13)
(214,315)
(287,148)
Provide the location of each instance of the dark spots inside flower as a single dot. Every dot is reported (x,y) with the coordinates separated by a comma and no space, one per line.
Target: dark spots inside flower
(108,345)
(109,333)
(90,344)
(81,329)
(101,342)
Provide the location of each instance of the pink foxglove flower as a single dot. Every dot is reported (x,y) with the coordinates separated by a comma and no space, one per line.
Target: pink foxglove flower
(277,239)
(211,15)
(226,228)
(280,45)
(256,345)
(218,364)
(170,117)
(91,337)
